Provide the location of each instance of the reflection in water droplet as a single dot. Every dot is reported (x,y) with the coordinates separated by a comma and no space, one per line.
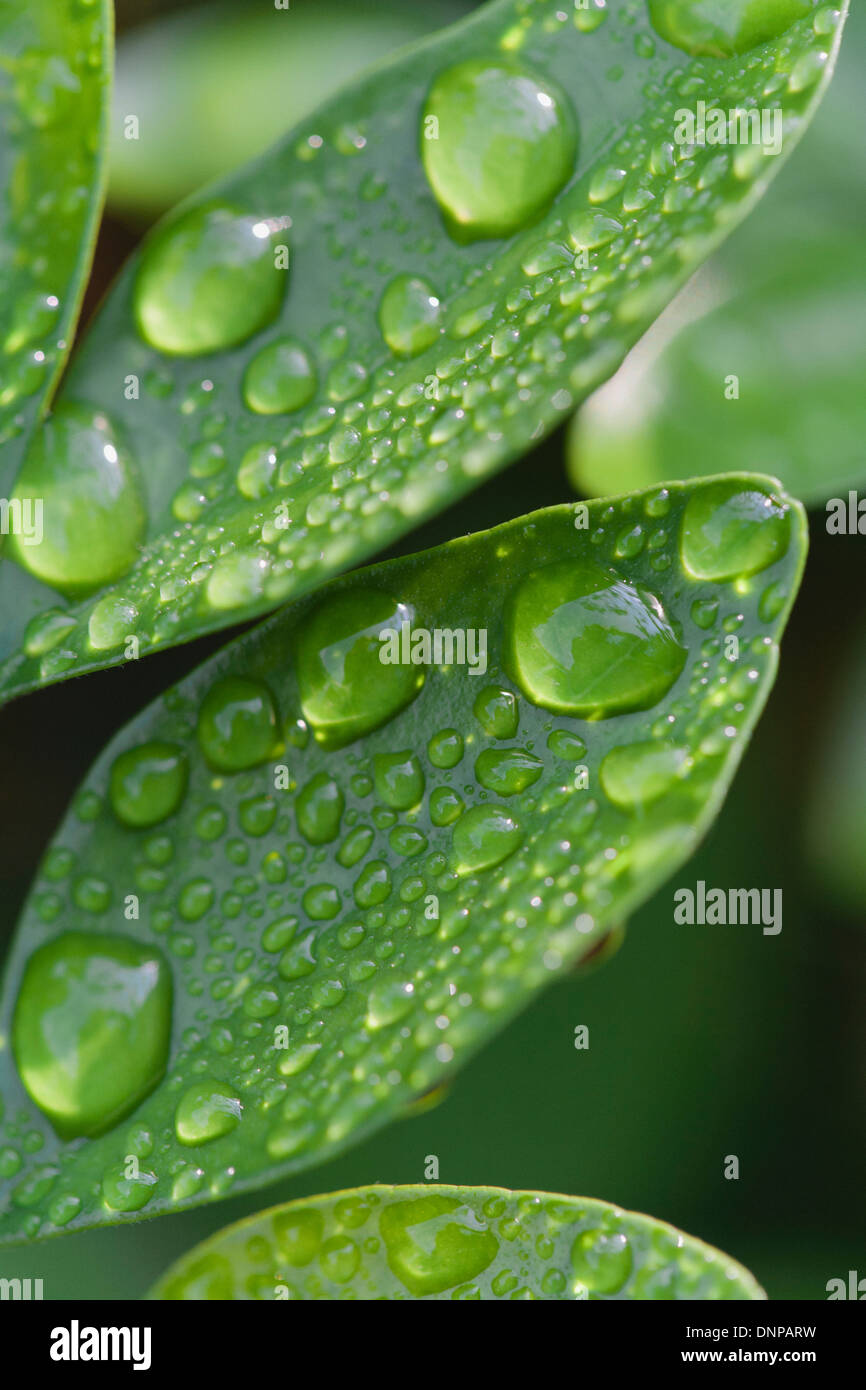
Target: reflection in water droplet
(345,688)
(206,1111)
(398,779)
(507,771)
(319,809)
(91,1029)
(80,490)
(409,314)
(484,837)
(148,783)
(435,1243)
(237,724)
(208,280)
(601,1262)
(723,29)
(582,641)
(730,530)
(497,144)
(280,378)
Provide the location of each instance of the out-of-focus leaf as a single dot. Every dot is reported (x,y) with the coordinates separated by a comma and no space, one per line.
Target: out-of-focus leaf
(782,308)
(213,86)
(55,74)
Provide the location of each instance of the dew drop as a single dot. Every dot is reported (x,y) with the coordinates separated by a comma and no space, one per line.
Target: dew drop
(582,641)
(88,490)
(206,1111)
(507,771)
(346,690)
(409,314)
(237,724)
(398,779)
(730,530)
(279,379)
(497,144)
(601,1263)
(434,1243)
(208,280)
(91,1029)
(147,784)
(484,837)
(319,809)
(389,1000)
(496,712)
(723,29)
(445,749)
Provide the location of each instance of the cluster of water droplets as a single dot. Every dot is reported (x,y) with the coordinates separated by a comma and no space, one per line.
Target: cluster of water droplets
(457,1244)
(367,433)
(353,870)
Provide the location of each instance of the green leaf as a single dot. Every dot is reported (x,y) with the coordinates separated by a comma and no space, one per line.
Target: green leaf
(244,510)
(55,75)
(431,1241)
(781,308)
(354,872)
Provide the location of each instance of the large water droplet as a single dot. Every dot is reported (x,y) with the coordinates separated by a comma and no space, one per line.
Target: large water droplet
(207,280)
(601,1262)
(582,641)
(434,1243)
(409,314)
(722,28)
(280,378)
(147,783)
(345,689)
(497,144)
(730,530)
(638,773)
(484,837)
(80,489)
(237,724)
(206,1111)
(91,1029)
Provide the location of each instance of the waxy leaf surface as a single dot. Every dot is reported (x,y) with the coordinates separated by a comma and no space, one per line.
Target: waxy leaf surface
(403,360)
(439,1242)
(349,870)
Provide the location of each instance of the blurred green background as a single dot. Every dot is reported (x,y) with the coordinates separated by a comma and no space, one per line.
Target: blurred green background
(704,1041)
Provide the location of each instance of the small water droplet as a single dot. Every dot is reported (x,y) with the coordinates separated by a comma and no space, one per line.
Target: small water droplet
(636,774)
(206,1111)
(484,837)
(237,724)
(279,379)
(148,783)
(409,314)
